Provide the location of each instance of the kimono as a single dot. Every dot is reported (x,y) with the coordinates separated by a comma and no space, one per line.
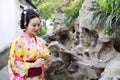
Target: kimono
(23,50)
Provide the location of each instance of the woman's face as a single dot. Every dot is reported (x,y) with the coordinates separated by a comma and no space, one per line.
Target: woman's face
(33,26)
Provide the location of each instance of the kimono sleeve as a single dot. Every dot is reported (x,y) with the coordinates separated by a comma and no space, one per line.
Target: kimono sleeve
(18,66)
(45,51)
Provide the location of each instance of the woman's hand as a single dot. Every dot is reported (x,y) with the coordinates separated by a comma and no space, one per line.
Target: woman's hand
(47,62)
(38,63)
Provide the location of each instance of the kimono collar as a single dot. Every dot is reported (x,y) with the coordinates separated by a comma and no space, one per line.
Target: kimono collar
(25,35)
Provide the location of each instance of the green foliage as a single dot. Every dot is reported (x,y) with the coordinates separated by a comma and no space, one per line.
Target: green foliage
(47,7)
(36,2)
(46,10)
(71,10)
(106,17)
(42,31)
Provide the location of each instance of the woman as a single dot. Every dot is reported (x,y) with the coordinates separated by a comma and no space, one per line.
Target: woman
(28,52)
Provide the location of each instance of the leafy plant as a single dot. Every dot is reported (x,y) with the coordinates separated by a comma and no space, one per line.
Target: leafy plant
(42,31)
(71,10)
(36,2)
(47,8)
(106,17)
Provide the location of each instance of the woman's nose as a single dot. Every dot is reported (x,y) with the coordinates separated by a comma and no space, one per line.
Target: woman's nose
(37,27)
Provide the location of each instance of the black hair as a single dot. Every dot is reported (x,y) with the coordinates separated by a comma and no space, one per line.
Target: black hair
(26,15)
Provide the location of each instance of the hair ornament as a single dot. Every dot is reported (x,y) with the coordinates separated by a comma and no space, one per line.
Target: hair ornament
(25,15)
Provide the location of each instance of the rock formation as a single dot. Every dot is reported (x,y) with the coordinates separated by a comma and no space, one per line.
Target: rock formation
(79,53)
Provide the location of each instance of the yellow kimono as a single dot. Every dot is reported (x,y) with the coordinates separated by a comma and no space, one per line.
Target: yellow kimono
(25,49)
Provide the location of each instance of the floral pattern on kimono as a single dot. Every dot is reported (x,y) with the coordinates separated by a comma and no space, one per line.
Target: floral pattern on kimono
(25,49)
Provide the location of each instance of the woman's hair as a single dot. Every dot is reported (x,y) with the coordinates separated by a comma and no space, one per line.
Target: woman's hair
(26,15)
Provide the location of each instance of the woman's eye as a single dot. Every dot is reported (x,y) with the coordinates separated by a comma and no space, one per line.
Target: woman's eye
(34,25)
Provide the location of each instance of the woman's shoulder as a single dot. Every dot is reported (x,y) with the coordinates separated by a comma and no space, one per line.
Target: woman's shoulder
(17,39)
(41,40)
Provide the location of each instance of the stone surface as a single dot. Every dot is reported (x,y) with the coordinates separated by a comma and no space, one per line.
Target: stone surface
(81,53)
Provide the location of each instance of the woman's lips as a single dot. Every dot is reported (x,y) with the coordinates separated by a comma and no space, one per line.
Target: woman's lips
(36,31)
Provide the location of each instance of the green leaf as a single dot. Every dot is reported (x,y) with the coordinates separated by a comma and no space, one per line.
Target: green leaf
(106,17)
